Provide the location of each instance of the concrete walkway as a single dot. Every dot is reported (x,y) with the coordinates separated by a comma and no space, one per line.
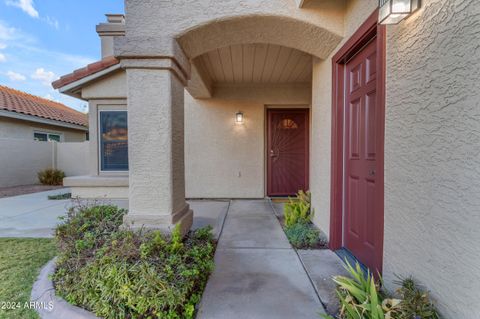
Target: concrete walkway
(34,215)
(31,215)
(257,273)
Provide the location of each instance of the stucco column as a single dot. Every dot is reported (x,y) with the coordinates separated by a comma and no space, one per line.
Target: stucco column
(156,144)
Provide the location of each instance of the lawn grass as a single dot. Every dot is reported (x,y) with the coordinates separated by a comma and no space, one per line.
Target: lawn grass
(20,262)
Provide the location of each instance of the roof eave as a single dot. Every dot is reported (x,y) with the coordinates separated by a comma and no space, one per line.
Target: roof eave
(41,120)
(74,88)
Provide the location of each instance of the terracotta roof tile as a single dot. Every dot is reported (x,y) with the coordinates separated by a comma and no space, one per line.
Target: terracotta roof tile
(24,103)
(86,71)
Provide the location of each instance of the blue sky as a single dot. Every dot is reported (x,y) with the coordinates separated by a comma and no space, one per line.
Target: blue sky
(41,40)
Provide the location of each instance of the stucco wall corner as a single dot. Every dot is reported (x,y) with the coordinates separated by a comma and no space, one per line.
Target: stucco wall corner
(432,138)
(159,46)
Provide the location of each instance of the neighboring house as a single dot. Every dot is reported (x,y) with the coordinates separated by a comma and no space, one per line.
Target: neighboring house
(251,99)
(24,116)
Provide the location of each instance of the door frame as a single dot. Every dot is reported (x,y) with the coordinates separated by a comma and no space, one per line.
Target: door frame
(286,108)
(367,32)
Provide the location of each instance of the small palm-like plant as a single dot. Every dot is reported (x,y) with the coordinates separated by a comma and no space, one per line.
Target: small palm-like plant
(416,302)
(360,297)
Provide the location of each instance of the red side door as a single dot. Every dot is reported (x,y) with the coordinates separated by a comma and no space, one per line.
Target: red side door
(287,151)
(363,222)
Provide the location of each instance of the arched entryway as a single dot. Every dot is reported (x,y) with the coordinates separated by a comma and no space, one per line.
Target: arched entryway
(254,62)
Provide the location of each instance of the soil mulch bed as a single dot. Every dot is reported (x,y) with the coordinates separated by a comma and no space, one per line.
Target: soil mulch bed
(25,189)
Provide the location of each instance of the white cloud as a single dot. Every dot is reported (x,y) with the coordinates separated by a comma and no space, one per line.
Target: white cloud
(6,33)
(2,57)
(51,98)
(12,36)
(46,77)
(17,39)
(52,22)
(14,76)
(26,6)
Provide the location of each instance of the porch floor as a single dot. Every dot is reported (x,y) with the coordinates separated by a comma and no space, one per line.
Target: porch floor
(257,273)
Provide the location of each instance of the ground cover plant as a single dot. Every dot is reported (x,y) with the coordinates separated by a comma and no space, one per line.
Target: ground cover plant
(302,235)
(60,196)
(298,225)
(361,297)
(20,262)
(120,273)
(51,176)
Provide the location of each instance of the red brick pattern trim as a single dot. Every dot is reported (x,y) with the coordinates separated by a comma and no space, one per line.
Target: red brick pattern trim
(24,103)
(86,71)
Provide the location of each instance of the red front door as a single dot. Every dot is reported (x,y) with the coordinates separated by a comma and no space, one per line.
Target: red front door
(363,222)
(287,151)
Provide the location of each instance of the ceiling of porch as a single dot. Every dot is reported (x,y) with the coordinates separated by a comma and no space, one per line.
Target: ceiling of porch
(255,63)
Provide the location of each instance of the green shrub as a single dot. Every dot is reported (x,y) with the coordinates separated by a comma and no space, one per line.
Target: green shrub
(361,298)
(119,273)
(302,235)
(298,210)
(51,176)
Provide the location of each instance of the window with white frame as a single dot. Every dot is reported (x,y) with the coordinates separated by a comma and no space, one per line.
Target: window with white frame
(45,136)
(113,140)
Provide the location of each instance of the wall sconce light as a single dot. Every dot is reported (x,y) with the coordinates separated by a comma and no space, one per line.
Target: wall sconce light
(239,119)
(394,11)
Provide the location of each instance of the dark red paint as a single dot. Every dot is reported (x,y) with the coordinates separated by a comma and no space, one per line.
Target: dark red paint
(359,95)
(287,151)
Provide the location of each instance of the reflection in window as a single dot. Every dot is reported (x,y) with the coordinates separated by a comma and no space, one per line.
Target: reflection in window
(287,124)
(44,137)
(54,137)
(113,141)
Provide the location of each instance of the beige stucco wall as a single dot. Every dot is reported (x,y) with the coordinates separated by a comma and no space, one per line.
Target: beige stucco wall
(112,86)
(431,150)
(179,16)
(72,158)
(25,158)
(19,129)
(357,11)
(150,25)
(432,153)
(22,161)
(216,150)
(98,187)
(227,160)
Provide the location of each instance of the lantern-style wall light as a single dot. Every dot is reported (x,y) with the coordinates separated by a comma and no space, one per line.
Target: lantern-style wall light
(239,118)
(394,11)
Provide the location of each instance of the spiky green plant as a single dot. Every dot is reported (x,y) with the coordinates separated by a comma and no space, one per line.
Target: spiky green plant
(297,210)
(416,302)
(360,296)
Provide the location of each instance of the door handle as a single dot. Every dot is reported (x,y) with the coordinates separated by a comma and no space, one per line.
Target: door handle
(371,172)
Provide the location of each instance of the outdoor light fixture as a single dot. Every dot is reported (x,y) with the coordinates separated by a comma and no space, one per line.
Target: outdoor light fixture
(239,118)
(394,11)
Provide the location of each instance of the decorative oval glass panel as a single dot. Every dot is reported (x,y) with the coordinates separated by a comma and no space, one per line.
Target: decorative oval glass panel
(287,124)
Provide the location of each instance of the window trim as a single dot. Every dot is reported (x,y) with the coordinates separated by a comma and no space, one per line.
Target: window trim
(48,134)
(99,142)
